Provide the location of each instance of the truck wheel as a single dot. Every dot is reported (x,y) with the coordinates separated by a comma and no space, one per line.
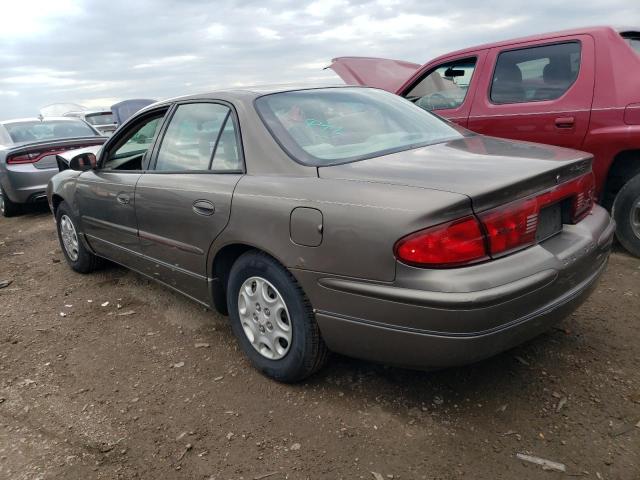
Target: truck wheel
(626,212)
(7,207)
(273,319)
(76,254)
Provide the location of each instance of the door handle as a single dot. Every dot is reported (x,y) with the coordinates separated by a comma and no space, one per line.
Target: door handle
(565,122)
(123,198)
(204,207)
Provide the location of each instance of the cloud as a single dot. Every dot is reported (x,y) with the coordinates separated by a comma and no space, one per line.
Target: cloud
(84,51)
(167,61)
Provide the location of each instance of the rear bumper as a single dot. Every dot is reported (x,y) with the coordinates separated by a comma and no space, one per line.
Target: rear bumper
(440,318)
(26,183)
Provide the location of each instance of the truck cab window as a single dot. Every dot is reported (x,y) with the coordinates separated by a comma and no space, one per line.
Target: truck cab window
(444,87)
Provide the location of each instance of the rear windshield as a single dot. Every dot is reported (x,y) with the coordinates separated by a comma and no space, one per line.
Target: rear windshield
(336,125)
(103,118)
(633,39)
(47,130)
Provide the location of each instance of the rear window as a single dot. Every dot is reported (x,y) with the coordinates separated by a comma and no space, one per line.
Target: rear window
(633,39)
(337,125)
(47,130)
(104,118)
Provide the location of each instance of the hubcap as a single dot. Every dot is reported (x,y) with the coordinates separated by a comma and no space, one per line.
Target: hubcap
(265,318)
(69,237)
(1,203)
(635,218)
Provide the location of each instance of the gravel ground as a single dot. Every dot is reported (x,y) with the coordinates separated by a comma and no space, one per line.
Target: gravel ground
(112,376)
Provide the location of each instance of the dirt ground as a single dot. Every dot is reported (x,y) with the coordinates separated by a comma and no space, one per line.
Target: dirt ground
(151,385)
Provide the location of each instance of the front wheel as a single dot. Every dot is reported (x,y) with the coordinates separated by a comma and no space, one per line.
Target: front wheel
(273,319)
(626,212)
(77,255)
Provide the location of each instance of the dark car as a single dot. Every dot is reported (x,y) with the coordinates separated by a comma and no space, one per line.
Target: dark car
(123,110)
(577,88)
(344,219)
(28,149)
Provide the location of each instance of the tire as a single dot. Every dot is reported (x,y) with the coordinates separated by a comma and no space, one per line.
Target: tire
(305,352)
(626,213)
(78,257)
(7,207)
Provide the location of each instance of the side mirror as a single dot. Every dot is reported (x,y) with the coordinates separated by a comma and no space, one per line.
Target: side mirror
(83,162)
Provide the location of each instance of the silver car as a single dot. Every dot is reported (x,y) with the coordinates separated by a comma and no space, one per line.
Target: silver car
(28,149)
(339,219)
(101,120)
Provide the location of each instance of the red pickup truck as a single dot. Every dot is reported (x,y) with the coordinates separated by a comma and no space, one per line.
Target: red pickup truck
(578,89)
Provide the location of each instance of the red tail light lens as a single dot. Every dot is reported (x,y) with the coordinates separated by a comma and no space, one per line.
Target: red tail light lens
(584,198)
(34,155)
(31,157)
(511,227)
(498,232)
(455,243)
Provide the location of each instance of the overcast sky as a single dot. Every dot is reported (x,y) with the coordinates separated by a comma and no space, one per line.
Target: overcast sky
(96,52)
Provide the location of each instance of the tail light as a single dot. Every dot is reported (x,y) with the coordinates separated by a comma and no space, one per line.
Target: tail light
(455,243)
(32,156)
(512,226)
(496,232)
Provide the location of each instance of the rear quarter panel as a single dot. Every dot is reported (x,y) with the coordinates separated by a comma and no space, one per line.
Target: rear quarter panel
(361,221)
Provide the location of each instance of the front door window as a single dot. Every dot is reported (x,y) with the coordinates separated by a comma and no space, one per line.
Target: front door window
(445,87)
(131,151)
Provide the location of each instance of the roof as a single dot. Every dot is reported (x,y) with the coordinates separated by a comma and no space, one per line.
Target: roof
(248,93)
(87,112)
(597,30)
(36,119)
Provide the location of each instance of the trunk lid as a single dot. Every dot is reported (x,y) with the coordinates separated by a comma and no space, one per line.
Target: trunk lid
(490,171)
(383,73)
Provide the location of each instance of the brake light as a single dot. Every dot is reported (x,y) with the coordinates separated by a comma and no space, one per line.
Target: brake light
(31,157)
(455,243)
(583,201)
(35,155)
(511,227)
(495,232)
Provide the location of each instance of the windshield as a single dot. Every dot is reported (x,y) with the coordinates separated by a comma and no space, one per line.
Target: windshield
(336,125)
(633,39)
(47,130)
(103,118)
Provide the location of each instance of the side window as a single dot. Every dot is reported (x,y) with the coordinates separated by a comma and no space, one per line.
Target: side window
(534,74)
(444,87)
(199,137)
(226,157)
(132,149)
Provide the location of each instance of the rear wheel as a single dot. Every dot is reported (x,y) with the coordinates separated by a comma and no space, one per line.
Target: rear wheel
(7,207)
(626,212)
(273,319)
(76,254)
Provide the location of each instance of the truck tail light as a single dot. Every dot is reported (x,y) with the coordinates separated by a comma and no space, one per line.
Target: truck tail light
(496,232)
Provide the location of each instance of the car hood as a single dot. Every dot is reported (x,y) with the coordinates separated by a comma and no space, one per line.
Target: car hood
(490,171)
(381,73)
